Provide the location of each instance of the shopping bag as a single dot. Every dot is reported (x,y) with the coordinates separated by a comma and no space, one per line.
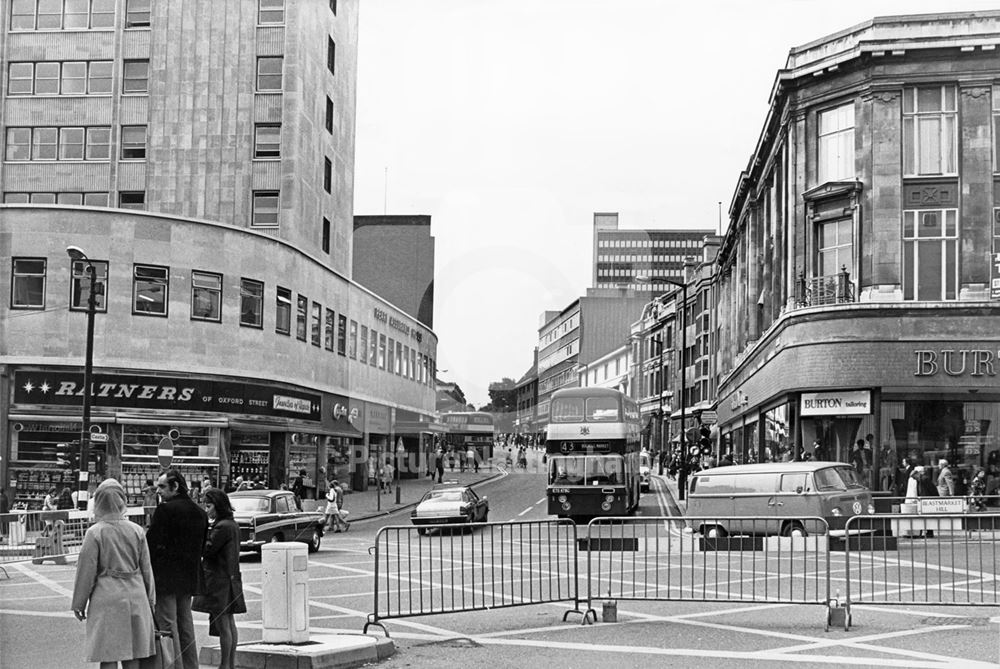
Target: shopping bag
(164,657)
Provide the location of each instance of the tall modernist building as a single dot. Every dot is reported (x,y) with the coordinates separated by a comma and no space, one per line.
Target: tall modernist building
(622,255)
(394,257)
(201,154)
(859,293)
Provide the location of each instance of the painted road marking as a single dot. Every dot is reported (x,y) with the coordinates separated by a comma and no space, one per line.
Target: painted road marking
(531,507)
(47,582)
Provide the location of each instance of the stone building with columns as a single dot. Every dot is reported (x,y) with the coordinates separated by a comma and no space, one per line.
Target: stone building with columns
(859,293)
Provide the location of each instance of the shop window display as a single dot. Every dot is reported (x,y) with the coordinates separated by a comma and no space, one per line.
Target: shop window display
(196,455)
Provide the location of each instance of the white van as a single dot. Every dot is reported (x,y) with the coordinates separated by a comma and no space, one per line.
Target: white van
(779,495)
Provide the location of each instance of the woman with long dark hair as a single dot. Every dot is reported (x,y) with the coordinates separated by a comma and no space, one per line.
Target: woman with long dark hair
(223,591)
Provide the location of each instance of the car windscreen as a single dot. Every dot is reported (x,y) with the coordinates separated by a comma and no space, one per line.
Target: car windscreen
(443,496)
(249,504)
(837,478)
(586,470)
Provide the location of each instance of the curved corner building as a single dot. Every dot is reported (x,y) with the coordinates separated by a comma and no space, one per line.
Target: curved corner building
(201,155)
(859,284)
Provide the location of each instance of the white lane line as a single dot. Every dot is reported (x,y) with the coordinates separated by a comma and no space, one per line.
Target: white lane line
(47,582)
(40,614)
(528,510)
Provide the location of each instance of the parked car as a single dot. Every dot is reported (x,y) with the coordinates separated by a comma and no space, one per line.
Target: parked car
(449,504)
(645,471)
(271,515)
(781,498)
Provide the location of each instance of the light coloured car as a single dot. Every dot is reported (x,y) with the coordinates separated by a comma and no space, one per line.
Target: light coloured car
(645,471)
(449,504)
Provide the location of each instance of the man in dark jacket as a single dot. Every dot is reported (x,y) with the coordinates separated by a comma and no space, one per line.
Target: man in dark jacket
(176,536)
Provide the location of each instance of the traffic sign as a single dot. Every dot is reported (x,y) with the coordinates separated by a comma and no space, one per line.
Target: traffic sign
(98,437)
(165,452)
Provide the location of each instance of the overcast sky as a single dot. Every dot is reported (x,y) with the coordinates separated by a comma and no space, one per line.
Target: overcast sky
(511,123)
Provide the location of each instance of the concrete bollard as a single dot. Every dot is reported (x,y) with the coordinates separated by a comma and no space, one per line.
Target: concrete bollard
(285,592)
(609,611)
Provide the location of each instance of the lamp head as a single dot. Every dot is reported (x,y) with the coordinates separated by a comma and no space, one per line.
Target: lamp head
(76,253)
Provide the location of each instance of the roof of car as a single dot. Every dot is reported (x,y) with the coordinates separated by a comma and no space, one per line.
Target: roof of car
(450,486)
(259,493)
(797,466)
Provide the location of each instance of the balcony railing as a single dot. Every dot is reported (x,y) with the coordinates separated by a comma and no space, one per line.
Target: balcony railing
(817,291)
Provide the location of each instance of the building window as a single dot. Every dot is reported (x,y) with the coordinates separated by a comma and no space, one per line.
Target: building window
(836,143)
(333,7)
(16,198)
(18,144)
(373,347)
(269,73)
(71,143)
(413,364)
(317,323)
(930,131)
(342,334)
(136,76)
(381,351)
(74,78)
(836,246)
(329,115)
(206,296)
(102,13)
(406,361)
(353,350)
(267,140)
(283,311)
(328,327)
(95,199)
(136,13)
(996,128)
(44,143)
(271,12)
(150,288)
(98,143)
(420,367)
(325,242)
(399,358)
(132,200)
(99,73)
(390,354)
(21,77)
(265,209)
(363,345)
(133,142)
(80,285)
(27,283)
(251,303)
(301,318)
(331,54)
(327,175)
(46,78)
(930,255)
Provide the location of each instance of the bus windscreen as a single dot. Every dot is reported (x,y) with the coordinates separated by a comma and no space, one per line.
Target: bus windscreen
(586,470)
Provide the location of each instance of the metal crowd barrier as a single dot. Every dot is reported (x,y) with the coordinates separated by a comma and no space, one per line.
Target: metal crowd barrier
(923,558)
(41,536)
(733,559)
(471,567)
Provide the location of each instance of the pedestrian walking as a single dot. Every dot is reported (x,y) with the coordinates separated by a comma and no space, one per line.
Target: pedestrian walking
(335,513)
(113,591)
(945,479)
(222,595)
(299,488)
(913,485)
(470,456)
(65,500)
(439,464)
(387,472)
(176,537)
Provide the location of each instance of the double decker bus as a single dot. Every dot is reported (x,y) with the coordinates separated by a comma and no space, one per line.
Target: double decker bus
(592,448)
(469,429)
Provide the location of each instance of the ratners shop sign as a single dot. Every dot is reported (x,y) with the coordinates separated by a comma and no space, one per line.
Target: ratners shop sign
(122,391)
(836,403)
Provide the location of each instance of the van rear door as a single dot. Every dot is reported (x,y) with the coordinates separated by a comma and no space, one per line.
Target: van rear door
(755,495)
(710,501)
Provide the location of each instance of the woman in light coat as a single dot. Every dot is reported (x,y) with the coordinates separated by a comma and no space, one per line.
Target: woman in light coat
(913,485)
(114,589)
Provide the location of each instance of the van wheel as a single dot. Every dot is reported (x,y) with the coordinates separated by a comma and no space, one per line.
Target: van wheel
(714,531)
(794,529)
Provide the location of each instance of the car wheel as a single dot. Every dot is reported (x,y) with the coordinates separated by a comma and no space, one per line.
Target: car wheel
(794,529)
(314,540)
(421,531)
(485,518)
(715,532)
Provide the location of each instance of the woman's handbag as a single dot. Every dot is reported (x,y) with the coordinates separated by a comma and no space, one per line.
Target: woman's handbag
(164,657)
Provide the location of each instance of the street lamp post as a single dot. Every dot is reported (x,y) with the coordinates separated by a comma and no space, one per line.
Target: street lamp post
(77,254)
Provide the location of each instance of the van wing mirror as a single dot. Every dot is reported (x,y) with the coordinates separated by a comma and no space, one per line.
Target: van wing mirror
(798,490)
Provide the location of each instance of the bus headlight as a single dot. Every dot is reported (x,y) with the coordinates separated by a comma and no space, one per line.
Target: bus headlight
(565,506)
(835,511)
(562,499)
(608,499)
(871,509)
(606,506)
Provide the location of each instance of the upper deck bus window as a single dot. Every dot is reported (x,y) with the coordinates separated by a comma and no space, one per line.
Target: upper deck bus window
(602,409)
(567,410)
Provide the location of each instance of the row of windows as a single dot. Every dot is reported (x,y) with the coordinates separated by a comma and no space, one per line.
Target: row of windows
(569,324)
(272,12)
(322,327)
(126,199)
(75,77)
(929,135)
(643,286)
(664,258)
(74,143)
(648,243)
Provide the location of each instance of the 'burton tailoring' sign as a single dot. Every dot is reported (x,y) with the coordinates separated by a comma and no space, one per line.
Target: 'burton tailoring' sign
(837,402)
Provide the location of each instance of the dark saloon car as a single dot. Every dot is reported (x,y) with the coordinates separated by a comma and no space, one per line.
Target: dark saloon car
(271,515)
(449,504)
